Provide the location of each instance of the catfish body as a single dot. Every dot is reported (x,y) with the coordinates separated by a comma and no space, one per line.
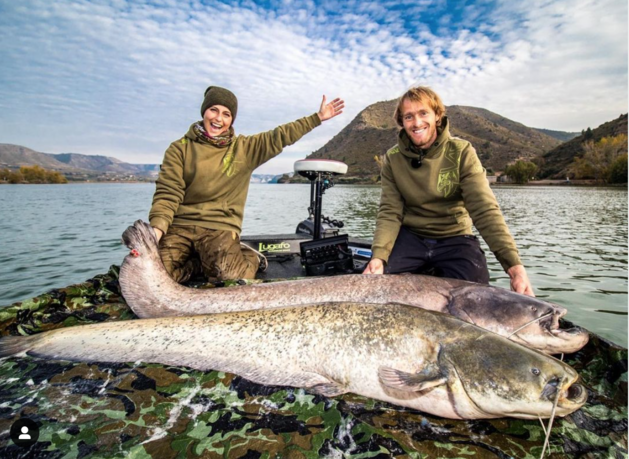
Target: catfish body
(150,292)
(395,353)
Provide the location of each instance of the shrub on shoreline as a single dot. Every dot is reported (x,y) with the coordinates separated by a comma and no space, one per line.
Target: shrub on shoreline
(32,174)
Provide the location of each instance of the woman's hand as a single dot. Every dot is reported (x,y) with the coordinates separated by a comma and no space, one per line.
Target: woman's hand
(330,110)
(158,233)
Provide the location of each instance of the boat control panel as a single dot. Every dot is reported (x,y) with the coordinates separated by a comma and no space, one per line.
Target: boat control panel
(330,255)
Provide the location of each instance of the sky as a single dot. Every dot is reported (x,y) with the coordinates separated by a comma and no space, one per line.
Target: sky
(126,78)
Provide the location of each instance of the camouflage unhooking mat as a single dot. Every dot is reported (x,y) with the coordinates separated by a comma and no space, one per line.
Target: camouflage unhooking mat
(156,411)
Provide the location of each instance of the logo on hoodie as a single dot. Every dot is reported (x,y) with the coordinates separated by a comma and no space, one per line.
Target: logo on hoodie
(449,177)
(229,165)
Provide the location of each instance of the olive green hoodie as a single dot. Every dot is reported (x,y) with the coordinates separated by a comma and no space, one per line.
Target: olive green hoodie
(442,198)
(200,184)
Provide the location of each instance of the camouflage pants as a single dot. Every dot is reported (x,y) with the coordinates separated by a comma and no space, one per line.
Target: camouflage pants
(189,251)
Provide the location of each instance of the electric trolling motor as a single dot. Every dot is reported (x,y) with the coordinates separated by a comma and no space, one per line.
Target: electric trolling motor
(328,252)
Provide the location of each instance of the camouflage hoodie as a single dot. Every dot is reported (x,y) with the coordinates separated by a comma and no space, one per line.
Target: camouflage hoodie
(442,198)
(200,184)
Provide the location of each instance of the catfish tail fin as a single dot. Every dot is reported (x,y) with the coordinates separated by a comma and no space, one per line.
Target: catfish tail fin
(140,237)
(15,345)
(144,282)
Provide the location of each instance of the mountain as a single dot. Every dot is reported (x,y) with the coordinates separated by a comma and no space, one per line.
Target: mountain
(265,178)
(104,164)
(78,167)
(74,165)
(14,156)
(559,135)
(498,140)
(554,163)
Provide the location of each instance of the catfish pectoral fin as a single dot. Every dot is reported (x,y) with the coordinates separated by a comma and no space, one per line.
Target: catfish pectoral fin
(330,389)
(401,380)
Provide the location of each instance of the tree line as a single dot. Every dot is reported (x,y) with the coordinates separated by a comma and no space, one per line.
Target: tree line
(604,161)
(31,174)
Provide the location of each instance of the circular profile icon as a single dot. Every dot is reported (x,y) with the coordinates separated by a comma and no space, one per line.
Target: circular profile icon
(24,432)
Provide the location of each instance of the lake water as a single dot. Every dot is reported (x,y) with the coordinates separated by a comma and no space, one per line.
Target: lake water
(573,241)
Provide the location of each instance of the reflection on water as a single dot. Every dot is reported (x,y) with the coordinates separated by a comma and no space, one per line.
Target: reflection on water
(572,240)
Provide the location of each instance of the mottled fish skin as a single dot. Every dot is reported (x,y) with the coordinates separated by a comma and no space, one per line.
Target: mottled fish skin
(400,354)
(150,292)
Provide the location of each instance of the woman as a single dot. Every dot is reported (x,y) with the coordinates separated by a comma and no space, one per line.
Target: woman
(201,190)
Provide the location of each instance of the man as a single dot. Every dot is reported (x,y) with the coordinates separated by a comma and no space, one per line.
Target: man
(433,188)
(200,194)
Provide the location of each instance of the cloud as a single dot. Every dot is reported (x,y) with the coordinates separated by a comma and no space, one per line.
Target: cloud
(563,66)
(125,78)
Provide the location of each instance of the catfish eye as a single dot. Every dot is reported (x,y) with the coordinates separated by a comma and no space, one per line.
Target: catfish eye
(535,371)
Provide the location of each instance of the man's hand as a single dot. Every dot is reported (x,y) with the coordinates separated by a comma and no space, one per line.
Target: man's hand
(375,266)
(158,233)
(327,111)
(520,282)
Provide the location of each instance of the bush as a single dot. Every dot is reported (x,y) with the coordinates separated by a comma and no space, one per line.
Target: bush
(55,177)
(599,157)
(521,171)
(33,174)
(16,177)
(618,170)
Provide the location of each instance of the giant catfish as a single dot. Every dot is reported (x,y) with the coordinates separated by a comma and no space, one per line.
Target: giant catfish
(150,292)
(400,354)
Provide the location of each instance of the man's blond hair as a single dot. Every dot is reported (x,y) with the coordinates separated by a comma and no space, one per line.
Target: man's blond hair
(421,94)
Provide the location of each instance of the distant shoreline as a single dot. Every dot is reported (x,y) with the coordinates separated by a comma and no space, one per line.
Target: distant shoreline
(571,183)
(80,183)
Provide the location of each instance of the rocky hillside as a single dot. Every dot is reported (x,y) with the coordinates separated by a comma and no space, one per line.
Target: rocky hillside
(14,156)
(104,164)
(498,140)
(554,163)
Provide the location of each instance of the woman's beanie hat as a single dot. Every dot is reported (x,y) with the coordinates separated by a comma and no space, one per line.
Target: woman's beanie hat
(215,95)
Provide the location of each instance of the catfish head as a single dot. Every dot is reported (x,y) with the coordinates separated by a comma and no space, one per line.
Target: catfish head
(489,376)
(523,319)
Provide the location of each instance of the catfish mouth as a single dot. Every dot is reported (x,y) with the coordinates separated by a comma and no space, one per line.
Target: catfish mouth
(565,340)
(552,339)
(572,396)
(575,392)
(551,320)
